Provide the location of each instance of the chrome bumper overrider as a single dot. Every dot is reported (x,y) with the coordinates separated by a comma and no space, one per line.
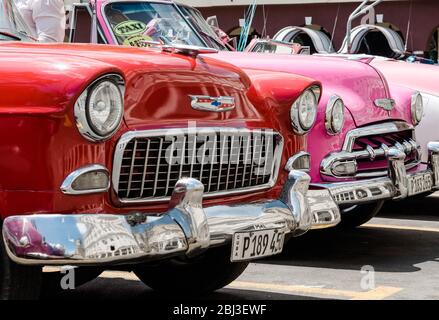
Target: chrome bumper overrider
(394,186)
(186,229)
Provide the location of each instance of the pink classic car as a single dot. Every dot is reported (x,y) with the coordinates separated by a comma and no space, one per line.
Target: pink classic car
(420,77)
(363,147)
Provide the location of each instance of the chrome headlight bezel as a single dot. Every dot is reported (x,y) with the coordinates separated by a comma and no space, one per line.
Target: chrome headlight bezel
(417,114)
(82,112)
(297,122)
(330,117)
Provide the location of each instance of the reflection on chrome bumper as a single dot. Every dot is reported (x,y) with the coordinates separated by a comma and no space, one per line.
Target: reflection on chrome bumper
(325,212)
(186,229)
(395,186)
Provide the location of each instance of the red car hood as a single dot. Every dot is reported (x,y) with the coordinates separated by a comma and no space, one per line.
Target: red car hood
(159,84)
(356,82)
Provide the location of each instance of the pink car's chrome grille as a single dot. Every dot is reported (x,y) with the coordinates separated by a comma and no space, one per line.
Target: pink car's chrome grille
(376,146)
(148,164)
(365,149)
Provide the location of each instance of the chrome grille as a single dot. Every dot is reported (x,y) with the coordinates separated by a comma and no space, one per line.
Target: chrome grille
(148,164)
(376,146)
(364,151)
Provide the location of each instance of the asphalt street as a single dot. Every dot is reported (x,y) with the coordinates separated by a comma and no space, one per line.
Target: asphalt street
(395,256)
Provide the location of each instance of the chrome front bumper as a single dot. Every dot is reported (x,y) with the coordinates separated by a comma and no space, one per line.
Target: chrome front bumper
(394,186)
(186,229)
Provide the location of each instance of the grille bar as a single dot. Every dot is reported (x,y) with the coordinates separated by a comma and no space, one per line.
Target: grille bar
(147,164)
(367,147)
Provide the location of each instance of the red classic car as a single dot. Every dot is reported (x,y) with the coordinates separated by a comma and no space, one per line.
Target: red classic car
(158,159)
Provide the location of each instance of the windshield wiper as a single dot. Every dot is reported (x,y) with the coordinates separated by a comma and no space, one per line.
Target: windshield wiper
(10,35)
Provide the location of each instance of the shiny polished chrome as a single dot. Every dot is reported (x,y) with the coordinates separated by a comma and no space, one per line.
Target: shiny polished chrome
(413,107)
(189,133)
(300,161)
(348,155)
(394,186)
(397,172)
(80,113)
(67,185)
(329,115)
(433,161)
(294,113)
(361,191)
(386,104)
(186,229)
(325,212)
(186,207)
(212,104)
(376,129)
(294,196)
(91,239)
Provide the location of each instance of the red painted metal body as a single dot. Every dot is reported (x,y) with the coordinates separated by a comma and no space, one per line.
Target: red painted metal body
(41,144)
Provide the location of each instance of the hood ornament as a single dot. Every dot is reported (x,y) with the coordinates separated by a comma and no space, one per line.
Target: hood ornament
(212,104)
(386,104)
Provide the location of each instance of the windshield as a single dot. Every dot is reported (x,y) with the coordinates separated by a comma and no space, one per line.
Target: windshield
(278,48)
(200,24)
(12,26)
(137,23)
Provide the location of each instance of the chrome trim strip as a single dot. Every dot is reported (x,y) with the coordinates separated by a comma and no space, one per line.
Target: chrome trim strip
(127,137)
(66,186)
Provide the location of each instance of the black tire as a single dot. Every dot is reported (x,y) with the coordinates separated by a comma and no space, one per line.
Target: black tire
(355,217)
(18,282)
(209,272)
(51,281)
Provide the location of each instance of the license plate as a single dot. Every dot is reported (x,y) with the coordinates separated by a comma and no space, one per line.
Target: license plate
(420,184)
(257,244)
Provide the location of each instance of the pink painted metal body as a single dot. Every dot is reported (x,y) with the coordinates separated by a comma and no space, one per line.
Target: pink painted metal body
(425,79)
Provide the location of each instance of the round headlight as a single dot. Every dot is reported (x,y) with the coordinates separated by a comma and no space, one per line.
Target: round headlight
(417,108)
(105,107)
(334,120)
(304,112)
(99,110)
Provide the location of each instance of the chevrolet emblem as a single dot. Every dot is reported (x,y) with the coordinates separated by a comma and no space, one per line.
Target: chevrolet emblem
(212,104)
